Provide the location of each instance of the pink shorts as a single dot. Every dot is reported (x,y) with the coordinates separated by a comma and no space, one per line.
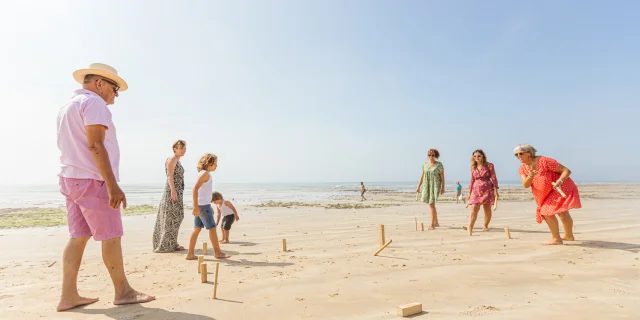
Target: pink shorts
(88,211)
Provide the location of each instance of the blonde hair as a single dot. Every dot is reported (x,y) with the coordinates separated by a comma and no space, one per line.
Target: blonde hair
(206,161)
(179,144)
(525,148)
(474,163)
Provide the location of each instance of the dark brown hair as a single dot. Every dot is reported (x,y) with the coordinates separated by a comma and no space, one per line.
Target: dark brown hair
(474,164)
(216,196)
(434,151)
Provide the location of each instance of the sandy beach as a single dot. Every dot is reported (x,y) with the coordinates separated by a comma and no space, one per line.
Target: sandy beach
(329,271)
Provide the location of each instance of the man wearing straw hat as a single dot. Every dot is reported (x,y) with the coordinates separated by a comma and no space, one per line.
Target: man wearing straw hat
(88,178)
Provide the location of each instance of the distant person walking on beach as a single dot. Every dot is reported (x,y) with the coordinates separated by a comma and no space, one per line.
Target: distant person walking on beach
(171,209)
(483,189)
(431,184)
(227,213)
(549,180)
(202,210)
(458,191)
(88,178)
(362,191)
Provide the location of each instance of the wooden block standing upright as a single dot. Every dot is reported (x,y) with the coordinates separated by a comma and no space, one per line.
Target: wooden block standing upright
(215,285)
(422,225)
(409,309)
(200,260)
(284,245)
(203,273)
(204,248)
(506,231)
(416,223)
(382,248)
(382,235)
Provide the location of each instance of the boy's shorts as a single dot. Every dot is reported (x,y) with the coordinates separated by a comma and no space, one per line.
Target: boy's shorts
(88,210)
(227,221)
(205,219)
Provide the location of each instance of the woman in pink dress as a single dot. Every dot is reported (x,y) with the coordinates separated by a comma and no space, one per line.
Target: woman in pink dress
(483,189)
(555,193)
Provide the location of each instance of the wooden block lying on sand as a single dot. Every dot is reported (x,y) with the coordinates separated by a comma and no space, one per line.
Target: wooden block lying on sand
(382,248)
(409,309)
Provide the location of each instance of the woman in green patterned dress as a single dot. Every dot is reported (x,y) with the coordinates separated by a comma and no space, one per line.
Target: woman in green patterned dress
(431,184)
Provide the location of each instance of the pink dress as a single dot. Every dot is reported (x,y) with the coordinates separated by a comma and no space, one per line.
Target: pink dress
(549,201)
(483,181)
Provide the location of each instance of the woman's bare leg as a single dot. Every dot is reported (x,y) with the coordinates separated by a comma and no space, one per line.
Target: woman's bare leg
(487,216)
(567,223)
(552,223)
(472,218)
(434,216)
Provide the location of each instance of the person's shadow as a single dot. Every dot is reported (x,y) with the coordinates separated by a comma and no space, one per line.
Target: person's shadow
(138,311)
(599,244)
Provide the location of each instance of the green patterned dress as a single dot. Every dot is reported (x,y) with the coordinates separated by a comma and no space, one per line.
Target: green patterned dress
(431,182)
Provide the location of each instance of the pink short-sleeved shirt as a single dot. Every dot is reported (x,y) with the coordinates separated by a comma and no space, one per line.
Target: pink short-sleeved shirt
(85,108)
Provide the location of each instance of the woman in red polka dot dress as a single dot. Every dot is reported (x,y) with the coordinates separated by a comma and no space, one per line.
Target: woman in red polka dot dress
(544,176)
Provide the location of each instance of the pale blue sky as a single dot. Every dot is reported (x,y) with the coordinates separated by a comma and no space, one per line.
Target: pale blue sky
(317,91)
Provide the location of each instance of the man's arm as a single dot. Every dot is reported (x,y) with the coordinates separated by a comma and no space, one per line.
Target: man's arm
(95,137)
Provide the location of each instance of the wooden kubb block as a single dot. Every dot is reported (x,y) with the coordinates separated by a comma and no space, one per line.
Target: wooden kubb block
(409,309)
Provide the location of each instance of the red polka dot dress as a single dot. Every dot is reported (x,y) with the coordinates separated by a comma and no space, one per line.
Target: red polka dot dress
(550,201)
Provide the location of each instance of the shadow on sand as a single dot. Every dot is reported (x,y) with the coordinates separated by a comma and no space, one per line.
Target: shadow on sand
(599,244)
(138,311)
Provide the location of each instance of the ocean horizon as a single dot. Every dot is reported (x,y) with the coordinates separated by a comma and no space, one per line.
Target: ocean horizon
(48,195)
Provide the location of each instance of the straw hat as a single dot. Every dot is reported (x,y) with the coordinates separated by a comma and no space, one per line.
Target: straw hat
(102,70)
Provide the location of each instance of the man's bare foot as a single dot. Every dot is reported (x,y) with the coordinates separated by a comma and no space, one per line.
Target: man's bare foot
(225,241)
(133,297)
(485,229)
(437,224)
(180,248)
(66,304)
(221,241)
(192,257)
(553,242)
(222,256)
(469,230)
(568,238)
(465,227)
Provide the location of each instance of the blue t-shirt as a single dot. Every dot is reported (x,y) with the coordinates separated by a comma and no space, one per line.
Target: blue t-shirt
(458,188)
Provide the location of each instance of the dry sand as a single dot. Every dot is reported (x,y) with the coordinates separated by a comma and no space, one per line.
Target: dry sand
(330,271)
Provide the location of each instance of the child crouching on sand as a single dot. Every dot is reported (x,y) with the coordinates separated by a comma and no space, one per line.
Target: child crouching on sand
(202,211)
(228,212)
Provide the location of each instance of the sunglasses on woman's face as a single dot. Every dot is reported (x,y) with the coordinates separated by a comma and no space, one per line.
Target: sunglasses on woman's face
(432,155)
(517,154)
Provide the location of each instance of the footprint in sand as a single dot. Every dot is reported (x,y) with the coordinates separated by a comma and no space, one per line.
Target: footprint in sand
(622,292)
(481,311)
